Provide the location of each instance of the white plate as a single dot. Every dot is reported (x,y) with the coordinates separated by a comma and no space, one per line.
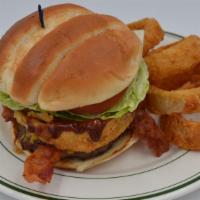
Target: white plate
(136,174)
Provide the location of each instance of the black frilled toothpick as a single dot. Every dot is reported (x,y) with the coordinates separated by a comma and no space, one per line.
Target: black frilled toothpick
(41,16)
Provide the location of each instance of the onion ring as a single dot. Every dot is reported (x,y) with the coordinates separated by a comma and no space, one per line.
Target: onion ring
(172,65)
(162,102)
(181,132)
(153,32)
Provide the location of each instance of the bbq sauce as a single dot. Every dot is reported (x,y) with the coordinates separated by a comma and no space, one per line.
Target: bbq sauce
(93,127)
(31,146)
(54,129)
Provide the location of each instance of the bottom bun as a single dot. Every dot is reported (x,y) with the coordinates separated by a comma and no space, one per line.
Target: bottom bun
(120,146)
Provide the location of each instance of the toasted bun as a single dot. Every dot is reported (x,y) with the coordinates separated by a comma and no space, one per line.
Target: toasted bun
(78,165)
(24,35)
(79,59)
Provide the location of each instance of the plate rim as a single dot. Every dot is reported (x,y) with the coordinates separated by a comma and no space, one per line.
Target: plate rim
(42,195)
(10,187)
(106,177)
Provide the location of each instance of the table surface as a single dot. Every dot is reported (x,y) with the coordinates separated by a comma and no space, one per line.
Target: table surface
(178,16)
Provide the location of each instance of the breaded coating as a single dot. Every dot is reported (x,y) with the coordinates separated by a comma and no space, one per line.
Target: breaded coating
(81,142)
(153,32)
(171,66)
(183,100)
(181,132)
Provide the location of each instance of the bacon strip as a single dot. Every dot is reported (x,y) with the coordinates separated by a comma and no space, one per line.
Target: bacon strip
(7,114)
(147,130)
(39,165)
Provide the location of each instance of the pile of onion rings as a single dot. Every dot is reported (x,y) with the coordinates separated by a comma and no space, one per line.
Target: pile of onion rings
(175,83)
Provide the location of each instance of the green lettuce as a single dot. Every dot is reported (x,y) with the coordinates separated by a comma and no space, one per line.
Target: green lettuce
(133,96)
(7,101)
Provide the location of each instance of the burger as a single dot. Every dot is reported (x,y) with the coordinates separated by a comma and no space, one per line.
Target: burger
(70,88)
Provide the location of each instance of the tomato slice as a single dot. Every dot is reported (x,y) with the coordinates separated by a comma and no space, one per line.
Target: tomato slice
(99,107)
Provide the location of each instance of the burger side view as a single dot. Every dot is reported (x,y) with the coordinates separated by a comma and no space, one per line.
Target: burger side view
(71,89)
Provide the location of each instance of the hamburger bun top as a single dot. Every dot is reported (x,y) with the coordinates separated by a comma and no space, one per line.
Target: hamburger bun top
(24,34)
(80,58)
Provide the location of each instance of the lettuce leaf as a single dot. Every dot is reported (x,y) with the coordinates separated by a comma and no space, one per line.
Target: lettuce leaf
(7,101)
(133,96)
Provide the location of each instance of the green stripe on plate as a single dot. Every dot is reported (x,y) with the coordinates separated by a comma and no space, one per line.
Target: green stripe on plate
(147,195)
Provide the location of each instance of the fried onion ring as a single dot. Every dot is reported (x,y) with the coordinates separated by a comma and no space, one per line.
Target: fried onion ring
(181,132)
(172,65)
(153,32)
(162,102)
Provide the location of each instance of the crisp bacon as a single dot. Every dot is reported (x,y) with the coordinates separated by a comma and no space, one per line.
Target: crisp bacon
(7,114)
(146,129)
(39,165)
